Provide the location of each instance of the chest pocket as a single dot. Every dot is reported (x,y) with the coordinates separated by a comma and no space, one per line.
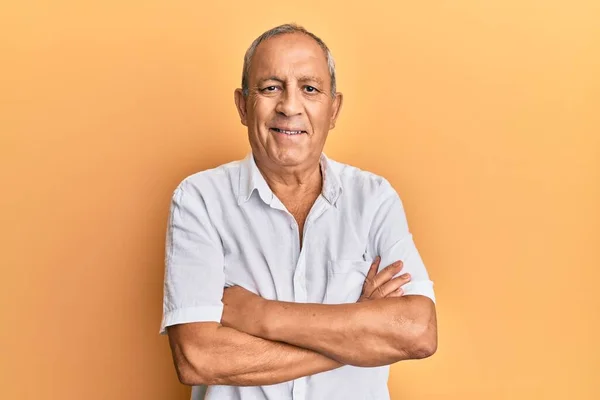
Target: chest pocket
(345,279)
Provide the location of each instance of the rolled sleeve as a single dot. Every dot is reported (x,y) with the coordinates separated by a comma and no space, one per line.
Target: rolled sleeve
(392,241)
(194,275)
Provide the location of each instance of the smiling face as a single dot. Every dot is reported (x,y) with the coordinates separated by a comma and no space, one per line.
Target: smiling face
(289,109)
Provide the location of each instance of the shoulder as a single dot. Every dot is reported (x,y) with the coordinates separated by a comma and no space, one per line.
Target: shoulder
(359,182)
(211,181)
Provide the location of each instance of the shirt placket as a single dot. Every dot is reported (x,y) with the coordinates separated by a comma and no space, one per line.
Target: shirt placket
(300,291)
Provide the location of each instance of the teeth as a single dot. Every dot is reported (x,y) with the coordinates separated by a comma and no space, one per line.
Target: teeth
(288,132)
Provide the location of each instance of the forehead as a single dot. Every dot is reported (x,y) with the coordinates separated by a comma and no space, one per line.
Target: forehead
(289,54)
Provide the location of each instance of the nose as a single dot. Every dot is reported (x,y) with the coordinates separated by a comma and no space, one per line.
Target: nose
(289,103)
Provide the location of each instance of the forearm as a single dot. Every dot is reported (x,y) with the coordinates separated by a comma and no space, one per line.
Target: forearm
(239,359)
(367,334)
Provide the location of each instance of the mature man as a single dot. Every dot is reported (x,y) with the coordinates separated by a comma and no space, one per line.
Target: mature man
(273,285)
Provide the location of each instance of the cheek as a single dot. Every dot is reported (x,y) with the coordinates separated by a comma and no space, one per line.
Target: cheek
(261,110)
(319,116)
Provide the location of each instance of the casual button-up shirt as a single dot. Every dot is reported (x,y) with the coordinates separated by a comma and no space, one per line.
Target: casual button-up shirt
(227,227)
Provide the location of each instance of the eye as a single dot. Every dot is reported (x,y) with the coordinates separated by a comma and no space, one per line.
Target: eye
(310,89)
(269,89)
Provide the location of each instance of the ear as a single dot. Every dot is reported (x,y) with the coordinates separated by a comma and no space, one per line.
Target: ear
(336,108)
(240,104)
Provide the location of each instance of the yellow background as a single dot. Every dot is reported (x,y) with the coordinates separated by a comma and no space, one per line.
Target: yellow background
(485,116)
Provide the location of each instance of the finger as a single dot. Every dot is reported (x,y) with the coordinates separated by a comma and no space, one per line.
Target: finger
(391,286)
(387,273)
(368,283)
(374,268)
(394,284)
(396,293)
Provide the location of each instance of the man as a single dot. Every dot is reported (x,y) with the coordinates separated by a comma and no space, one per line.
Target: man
(297,241)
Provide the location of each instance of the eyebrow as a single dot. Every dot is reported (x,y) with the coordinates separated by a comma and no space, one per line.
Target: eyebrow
(308,78)
(271,78)
(304,78)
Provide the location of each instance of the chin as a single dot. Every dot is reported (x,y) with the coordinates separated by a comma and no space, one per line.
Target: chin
(288,157)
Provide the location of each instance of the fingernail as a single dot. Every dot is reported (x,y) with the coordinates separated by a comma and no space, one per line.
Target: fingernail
(405,276)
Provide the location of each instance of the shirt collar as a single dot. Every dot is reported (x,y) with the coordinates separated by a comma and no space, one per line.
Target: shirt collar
(251,179)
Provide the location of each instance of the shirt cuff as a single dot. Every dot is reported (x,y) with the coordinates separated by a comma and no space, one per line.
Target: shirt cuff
(423,288)
(191,314)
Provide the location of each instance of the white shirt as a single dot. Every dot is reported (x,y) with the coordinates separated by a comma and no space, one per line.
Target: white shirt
(226,227)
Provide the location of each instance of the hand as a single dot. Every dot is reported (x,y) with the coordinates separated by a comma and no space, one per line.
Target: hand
(242,310)
(380,285)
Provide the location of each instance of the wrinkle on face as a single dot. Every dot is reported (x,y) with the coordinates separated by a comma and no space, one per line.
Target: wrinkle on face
(283,73)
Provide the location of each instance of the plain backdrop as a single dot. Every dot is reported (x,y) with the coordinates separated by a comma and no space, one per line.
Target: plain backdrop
(484,115)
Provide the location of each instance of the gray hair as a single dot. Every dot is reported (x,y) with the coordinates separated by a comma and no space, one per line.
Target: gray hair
(280,30)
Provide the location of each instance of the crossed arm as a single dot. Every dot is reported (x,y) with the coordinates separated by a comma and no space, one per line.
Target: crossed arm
(274,341)
(264,342)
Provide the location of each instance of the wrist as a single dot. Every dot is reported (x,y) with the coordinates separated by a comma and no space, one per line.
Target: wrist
(267,310)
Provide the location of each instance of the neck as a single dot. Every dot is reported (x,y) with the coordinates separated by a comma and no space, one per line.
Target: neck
(294,181)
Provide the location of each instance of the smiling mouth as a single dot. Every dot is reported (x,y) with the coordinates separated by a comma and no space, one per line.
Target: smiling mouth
(287,132)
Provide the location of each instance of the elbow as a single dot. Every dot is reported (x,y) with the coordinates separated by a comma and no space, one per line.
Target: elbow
(425,346)
(425,342)
(190,369)
(195,363)
(420,339)
(189,374)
